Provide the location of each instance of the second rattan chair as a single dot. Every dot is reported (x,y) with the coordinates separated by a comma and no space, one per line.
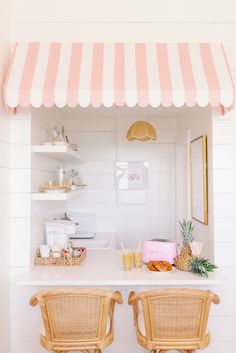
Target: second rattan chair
(173,319)
(77,319)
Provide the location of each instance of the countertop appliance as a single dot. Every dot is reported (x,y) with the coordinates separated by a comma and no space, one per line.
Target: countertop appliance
(159,250)
(58,232)
(85,225)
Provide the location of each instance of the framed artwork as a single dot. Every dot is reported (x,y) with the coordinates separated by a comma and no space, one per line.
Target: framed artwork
(198,182)
(131,175)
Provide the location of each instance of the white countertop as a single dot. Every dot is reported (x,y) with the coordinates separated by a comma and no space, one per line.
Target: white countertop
(104,268)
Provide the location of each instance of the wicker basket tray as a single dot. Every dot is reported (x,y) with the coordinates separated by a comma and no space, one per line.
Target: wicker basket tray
(60,261)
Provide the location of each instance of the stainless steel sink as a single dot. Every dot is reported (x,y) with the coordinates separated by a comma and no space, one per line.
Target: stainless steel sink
(102,244)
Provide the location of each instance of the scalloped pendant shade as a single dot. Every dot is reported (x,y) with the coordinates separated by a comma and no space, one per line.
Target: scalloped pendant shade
(141,131)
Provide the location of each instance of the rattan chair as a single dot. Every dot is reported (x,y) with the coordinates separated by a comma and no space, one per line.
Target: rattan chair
(173,319)
(77,319)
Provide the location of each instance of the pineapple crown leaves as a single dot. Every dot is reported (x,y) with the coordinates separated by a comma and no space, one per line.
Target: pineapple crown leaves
(186,228)
(201,266)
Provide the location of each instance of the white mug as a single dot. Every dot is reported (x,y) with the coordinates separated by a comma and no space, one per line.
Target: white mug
(44,250)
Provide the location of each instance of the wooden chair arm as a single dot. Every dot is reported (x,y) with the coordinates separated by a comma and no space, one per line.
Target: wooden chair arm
(133,300)
(215,299)
(117,297)
(132,297)
(33,300)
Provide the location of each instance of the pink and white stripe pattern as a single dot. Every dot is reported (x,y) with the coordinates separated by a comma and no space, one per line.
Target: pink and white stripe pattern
(119,73)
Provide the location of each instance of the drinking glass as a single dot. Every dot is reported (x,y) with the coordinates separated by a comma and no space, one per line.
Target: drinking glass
(127,260)
(137,259)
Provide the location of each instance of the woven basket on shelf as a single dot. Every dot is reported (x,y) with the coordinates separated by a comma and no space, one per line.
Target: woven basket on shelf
(60,261)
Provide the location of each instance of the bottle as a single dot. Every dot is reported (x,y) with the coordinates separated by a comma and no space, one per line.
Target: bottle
(61,174)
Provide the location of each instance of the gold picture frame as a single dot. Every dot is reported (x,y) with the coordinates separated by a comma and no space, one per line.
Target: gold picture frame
(198,179)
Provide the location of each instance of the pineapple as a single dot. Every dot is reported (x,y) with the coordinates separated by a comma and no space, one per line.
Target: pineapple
(201,266)
(182,260)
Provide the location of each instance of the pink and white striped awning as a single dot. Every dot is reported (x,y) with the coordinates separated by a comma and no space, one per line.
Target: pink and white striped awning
(122,74)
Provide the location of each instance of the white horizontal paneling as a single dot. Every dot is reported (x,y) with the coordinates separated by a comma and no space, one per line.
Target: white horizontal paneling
(5,206)
(165,180)
(162,165)
(163,122)
(133,151)
(25,328)
(40,134)
(224,229)
(26,347)
(96,196)
(5,132)
(131,197)
(90,124)
(224,156)
(20,180)
(99,138)
(20,156)
(5,231)
(5,180)
(20,254)
(160,194)
(20,205)
(42,163)
(5,155)
(20,230)
(224,180)
(225,254)
(217,323)
(99,181)
(219,347)
(21,131)
(224,132)
(224,205)
(158,218)
(97,167)
(161,151)
(165,136)
(227,305)
(99,153)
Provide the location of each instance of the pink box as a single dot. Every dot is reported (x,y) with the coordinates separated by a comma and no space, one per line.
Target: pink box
(159,250)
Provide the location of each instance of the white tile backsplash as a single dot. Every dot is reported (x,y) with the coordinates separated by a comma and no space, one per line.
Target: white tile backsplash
(103,143)
(21,131)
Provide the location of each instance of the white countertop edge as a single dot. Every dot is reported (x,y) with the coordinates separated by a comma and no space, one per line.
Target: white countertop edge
(53,283)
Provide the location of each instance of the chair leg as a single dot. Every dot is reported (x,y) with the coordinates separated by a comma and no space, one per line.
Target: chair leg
(97,351)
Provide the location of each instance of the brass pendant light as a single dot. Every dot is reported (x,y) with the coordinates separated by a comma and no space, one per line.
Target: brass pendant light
(141,131)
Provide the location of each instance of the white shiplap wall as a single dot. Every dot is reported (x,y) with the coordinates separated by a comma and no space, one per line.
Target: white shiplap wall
(5,185)
(29,171)
(101,136)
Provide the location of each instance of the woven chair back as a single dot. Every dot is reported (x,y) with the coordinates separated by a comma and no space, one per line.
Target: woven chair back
(75,315)
(176,315)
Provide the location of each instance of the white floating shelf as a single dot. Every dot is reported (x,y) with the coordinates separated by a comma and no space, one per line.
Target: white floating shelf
(60,153)
(64,196)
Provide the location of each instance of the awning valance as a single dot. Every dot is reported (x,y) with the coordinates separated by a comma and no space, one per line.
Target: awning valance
(119,73)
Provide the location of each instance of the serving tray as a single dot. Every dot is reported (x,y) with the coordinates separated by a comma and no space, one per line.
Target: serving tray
(60,261)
